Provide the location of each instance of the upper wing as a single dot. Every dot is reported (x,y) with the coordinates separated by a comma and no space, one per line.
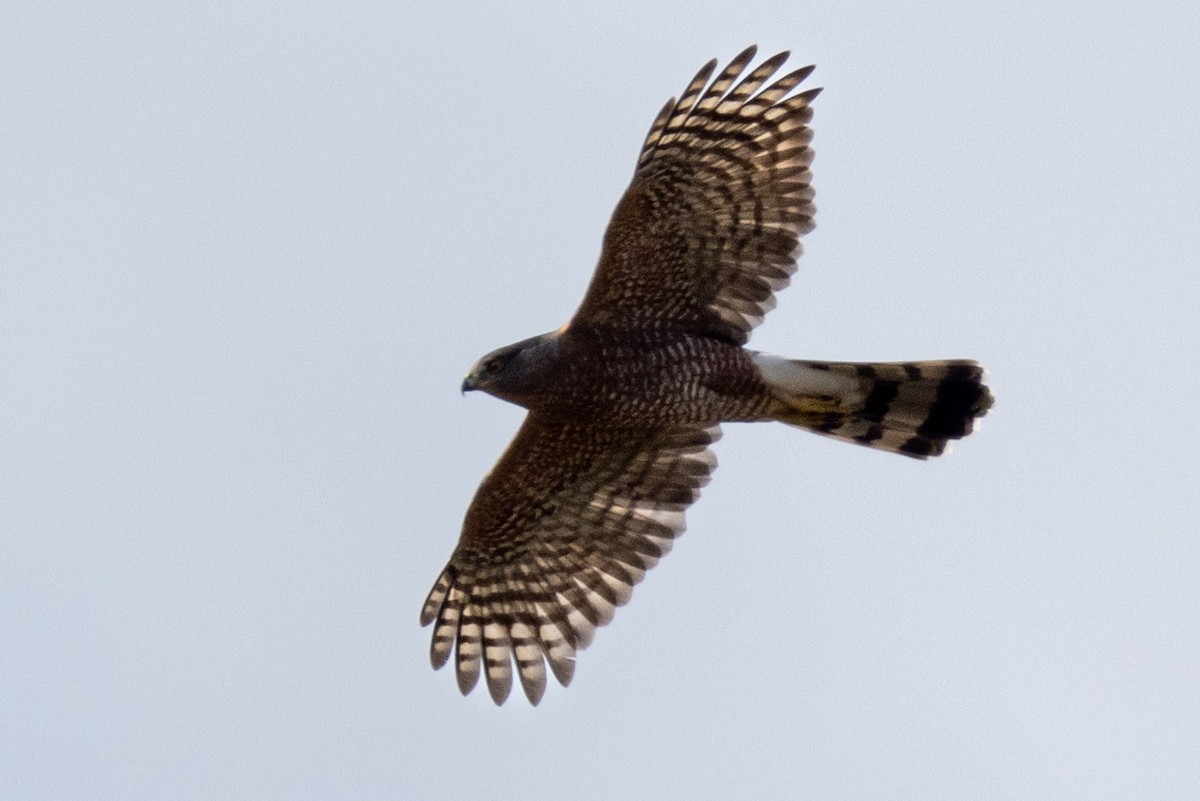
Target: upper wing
(569,519)
(709,228)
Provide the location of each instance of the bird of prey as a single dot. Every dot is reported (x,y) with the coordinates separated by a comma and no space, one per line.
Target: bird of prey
(625,399)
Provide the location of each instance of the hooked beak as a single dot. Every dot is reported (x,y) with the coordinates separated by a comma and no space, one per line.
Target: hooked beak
(469,383)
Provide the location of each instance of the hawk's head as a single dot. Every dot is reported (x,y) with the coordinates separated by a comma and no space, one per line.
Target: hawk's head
(519,372)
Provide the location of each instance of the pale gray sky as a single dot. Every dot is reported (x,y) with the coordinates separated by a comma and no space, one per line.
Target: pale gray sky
(247,252)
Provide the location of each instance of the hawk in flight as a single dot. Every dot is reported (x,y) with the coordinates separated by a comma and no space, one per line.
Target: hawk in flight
(625,399)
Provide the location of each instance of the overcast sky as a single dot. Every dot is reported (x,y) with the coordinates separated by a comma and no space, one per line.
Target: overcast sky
(247,252)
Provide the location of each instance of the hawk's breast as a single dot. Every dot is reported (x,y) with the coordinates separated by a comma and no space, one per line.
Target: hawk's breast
(653,377)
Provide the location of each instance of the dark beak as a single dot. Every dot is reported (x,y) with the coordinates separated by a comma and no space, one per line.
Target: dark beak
(469,384)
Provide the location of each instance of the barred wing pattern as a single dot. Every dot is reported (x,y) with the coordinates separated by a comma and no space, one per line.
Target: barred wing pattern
(566,523)
(709,228)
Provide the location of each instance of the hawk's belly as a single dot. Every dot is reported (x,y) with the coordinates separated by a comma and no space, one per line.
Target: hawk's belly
(655,379)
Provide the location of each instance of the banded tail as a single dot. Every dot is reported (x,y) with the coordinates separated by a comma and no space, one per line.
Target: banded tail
(913,408)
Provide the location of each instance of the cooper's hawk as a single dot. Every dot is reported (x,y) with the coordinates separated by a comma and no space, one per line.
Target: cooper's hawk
(625,399)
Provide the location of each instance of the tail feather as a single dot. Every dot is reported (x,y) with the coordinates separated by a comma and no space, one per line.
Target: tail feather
(913,408)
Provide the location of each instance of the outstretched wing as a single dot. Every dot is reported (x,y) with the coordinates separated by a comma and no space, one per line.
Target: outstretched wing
(709,228)
(569,519)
